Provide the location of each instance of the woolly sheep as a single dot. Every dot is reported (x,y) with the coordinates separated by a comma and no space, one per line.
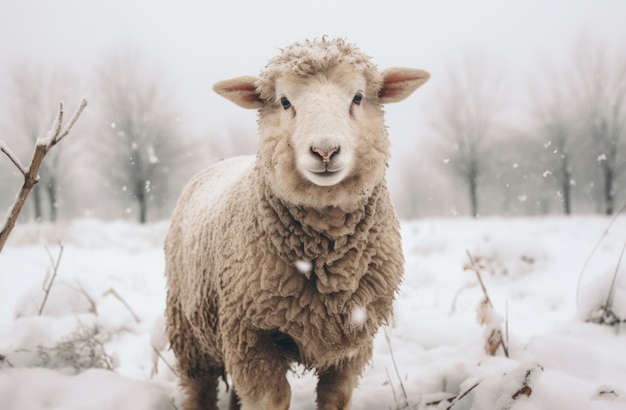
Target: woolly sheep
(295,255)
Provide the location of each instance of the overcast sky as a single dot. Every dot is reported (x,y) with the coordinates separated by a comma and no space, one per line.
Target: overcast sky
(200,42)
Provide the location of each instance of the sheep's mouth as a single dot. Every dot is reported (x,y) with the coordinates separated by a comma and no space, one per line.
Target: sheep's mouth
(326,169)
(326,177)
(325,173)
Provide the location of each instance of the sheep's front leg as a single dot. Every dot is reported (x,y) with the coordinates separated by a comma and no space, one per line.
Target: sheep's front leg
(259,373)
(334,389)
(336,383)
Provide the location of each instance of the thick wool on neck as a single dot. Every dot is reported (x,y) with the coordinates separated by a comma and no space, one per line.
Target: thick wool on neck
(332,240)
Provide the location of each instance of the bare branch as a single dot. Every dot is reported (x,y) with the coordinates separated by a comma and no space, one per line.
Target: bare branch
(55,130)
(68,127)
(12,157)
(31,174)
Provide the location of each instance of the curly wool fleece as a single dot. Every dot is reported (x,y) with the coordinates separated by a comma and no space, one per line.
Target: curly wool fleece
(259,276)
(314,57)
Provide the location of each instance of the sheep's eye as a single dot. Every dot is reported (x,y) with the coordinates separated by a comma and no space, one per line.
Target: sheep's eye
(358,98)
(285,103)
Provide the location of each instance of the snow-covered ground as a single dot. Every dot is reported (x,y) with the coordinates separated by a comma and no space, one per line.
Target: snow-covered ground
(104,311)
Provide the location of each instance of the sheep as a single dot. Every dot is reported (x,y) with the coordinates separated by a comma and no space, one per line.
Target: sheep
(292,255)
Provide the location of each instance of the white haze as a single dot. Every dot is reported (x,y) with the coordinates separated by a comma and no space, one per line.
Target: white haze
(196,43)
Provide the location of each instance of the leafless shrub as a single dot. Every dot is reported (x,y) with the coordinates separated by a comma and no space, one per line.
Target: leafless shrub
(82,350)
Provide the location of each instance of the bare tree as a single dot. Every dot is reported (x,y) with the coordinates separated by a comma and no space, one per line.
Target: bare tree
(603,97)
(555,111)
(467,117)
(142,132)
(34,94)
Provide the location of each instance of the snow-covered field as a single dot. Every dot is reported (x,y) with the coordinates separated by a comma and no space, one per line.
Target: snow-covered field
(104,310)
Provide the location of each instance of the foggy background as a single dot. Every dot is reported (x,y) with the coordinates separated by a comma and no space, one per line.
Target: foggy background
(524,114)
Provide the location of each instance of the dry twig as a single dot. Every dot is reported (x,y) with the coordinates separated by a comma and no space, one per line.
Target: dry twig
(609,298)
(31,173)
(593,251)
(393,360)
(605,315)
(47,284)
(495,338)
(155,365)
(117,296)
(87,296)
(461,395)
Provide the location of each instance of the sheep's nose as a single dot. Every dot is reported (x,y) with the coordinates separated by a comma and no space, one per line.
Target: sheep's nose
(326,155)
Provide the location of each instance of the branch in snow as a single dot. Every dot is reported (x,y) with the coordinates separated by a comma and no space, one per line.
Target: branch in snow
(31,174)
(461,395)
(522,380)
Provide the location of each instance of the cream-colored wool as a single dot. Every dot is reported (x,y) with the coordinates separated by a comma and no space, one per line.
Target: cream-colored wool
(266,266)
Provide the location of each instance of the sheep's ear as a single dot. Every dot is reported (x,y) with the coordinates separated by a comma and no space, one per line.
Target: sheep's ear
(241,91)
(400,82)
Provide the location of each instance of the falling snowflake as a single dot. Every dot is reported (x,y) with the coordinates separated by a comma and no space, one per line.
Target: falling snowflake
(601,157)
(152,158)
(358,315)
(522,198)
(303,266)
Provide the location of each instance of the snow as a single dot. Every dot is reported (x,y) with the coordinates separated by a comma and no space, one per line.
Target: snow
(105,311)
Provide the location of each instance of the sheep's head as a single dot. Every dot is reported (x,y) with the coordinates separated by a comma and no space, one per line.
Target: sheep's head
(320,115)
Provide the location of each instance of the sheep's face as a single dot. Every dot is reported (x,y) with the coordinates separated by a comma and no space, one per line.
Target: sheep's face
(322,117)
(323,137)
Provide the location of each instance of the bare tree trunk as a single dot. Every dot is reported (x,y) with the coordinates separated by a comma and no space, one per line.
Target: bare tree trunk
(472,183)
(609,188)
(51,189)
(566,181)
(37,204)
(140,196)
